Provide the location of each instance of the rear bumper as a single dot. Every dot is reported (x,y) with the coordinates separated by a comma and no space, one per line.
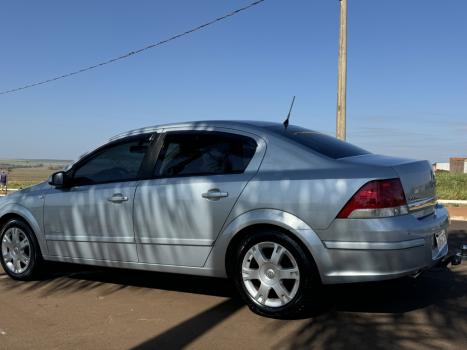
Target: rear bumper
(380,249)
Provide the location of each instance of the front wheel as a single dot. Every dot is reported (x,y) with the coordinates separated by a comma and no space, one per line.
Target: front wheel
(20,256)
(273,274)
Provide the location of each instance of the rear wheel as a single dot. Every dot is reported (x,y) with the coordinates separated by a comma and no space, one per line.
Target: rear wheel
(20,256)
(273,274)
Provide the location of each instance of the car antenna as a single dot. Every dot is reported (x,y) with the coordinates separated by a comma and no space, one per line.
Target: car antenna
(286,121)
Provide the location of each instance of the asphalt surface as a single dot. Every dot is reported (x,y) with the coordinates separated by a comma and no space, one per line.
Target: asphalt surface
(78,307)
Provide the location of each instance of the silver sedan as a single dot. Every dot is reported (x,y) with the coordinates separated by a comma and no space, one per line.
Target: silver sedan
(279,210)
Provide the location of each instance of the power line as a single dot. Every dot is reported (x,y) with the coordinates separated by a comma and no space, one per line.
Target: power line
(135,52)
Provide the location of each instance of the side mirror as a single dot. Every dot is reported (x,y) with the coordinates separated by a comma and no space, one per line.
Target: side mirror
(59,179)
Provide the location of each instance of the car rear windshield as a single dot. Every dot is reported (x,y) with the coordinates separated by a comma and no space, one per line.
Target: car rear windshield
(321,143)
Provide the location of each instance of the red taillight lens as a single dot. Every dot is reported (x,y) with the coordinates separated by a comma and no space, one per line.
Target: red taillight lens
(378,194)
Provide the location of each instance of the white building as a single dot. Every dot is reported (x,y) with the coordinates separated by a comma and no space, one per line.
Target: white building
(441,166)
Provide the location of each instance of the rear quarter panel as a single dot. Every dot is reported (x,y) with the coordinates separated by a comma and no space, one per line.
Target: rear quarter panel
(312,187)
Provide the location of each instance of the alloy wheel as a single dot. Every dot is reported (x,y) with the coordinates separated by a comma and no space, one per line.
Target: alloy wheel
(270,274)
(16,250)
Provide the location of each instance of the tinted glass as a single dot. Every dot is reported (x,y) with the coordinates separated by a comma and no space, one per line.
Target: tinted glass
(120,162)
(204,153)
(321,143)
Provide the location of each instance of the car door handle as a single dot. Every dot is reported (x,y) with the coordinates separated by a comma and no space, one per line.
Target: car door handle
(214,195)
(118,198)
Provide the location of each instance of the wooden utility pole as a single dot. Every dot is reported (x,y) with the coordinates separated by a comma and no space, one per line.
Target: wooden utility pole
(342,72)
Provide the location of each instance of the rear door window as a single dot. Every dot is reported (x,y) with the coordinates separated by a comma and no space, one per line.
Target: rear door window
(204,153)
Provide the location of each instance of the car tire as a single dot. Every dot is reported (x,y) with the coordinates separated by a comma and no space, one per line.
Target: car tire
(279,285)
(20,254)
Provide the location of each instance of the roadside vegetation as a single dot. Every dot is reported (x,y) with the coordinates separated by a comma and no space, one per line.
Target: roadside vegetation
(24,173)
(451,185)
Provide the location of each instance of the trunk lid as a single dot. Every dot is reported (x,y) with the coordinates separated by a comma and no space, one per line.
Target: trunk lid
(416,176)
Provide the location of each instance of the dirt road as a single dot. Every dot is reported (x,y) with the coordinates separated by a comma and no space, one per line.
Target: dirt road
(92,308)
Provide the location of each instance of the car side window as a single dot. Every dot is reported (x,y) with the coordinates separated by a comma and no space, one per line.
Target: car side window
(204,153)
(116,163)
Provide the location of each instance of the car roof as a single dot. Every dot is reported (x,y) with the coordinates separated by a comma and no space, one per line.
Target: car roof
(245,125)
(259,127)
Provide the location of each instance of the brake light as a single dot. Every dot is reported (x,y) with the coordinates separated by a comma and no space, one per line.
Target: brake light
(379,198)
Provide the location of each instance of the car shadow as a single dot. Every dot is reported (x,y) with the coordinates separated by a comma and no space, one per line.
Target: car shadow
(379,315)
(424,313)
(186,332)
(394,296)
(63,278)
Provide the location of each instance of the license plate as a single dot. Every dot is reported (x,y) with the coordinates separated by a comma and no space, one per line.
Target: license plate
(441,239)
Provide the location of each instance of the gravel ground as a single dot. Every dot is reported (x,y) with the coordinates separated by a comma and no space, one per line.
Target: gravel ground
(80,307)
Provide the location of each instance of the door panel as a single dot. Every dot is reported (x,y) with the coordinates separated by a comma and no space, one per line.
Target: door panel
(93,251)
(93,219)
(174,214)
(82,222)
(179,215)
(177,255)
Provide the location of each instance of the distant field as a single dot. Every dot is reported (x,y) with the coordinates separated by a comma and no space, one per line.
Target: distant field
(451,185)
(24,172)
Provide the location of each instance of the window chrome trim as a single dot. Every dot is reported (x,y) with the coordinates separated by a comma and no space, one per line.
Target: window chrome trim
(252,167)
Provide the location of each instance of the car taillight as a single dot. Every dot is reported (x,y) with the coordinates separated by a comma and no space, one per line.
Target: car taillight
(376,199)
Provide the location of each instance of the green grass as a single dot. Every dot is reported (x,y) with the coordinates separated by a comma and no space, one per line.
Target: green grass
(451,185)
(25,173)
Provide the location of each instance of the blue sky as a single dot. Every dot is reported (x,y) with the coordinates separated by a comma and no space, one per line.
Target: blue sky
(407,77)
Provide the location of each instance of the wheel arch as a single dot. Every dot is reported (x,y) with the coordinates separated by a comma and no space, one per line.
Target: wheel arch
(21,213)
(244,224)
